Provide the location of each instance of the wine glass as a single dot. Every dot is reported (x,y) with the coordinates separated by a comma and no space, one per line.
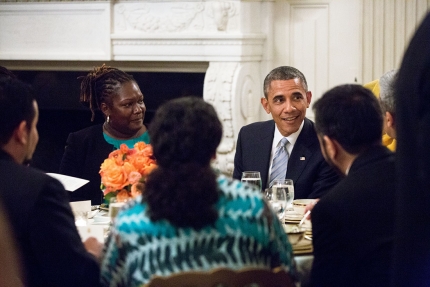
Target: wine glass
(277,200)
(252,177)
(288,186)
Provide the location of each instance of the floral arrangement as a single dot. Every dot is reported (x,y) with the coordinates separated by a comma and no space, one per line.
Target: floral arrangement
(124,170)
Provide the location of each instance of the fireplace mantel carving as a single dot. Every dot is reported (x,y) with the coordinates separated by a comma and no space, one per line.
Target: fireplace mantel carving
(225,34)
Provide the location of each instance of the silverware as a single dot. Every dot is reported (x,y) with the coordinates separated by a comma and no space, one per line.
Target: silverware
(308,237)
(304,218)
(94,212)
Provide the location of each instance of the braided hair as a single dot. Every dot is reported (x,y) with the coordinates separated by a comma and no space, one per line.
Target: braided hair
(100,85)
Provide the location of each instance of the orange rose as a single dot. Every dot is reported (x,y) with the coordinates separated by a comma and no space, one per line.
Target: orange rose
(134,177)
(124,168)
(113,176)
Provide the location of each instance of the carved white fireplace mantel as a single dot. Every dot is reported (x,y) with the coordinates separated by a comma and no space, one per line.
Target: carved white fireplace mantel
(226,34)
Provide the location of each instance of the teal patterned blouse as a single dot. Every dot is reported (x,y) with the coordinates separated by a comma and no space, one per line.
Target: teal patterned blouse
(247,233)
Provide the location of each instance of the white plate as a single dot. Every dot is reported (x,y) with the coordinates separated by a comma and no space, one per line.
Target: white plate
(101,219)
(302,202)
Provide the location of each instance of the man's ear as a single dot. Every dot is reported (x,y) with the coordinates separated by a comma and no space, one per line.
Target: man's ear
(21,133)
(265,104)
(309,97)
(330,147)
(389,119)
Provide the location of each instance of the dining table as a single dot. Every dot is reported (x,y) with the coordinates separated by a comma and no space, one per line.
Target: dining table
(303,249)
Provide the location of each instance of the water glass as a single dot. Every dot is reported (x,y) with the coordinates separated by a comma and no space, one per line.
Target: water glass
(277,200)
(252,177)
(81,217)
(114,207)
(288,186)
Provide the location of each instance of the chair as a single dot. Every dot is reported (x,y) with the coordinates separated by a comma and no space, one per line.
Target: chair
(224,277)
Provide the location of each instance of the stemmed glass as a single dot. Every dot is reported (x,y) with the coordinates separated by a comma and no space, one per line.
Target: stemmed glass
(277,199)
(252,177)
(288,187)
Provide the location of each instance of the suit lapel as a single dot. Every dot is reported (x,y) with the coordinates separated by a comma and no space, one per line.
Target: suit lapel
(301,154)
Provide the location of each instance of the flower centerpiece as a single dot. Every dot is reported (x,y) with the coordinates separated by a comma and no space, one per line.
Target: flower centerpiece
(124,169)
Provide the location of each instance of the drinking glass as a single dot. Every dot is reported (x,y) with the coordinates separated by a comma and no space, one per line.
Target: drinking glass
(81,217)
(288,186)
(114,207)
(277,200)
(252,177)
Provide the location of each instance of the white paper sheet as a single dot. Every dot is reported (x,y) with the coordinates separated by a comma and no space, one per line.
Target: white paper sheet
(84,205)
(70,183)
(96,231)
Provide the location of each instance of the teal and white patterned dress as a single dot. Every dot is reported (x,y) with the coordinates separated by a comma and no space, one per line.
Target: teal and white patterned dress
(246,234)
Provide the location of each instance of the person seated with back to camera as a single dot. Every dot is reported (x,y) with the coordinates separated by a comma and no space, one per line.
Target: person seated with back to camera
(352,236)
(118,96)
(192,217)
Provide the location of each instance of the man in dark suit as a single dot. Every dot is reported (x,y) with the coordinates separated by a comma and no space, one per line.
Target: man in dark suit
(286,98)
(353,224)
(37,206)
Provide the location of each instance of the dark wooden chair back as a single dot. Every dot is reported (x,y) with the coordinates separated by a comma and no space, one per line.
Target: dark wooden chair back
(225,277)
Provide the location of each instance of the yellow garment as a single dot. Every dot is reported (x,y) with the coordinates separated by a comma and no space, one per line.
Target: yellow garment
(387,141)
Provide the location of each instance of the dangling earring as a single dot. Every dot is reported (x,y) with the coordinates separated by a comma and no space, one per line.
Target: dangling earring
(107,119)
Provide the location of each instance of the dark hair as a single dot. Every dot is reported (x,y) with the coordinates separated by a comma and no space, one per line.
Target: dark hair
(351,115)
(5,73)
(283,73)
(185,134)
(100,84)
(16,105)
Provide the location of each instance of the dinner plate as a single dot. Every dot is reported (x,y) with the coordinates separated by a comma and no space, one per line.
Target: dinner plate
(102,218)
(302,202)
(304,246)
(294,216)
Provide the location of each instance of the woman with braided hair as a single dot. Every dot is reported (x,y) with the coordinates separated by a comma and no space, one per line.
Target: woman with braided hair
(119,98)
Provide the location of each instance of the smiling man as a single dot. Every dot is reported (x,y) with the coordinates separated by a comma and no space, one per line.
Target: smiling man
(287,146)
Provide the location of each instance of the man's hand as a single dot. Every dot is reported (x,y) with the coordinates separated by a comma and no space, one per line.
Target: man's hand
(310,206)
(93,246)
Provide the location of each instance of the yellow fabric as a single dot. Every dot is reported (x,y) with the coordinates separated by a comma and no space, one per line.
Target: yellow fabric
(389,142)
(374,87)
(386,139)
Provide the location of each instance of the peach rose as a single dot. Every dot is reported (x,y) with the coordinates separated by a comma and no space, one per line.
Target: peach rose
(134,177)
(112,175)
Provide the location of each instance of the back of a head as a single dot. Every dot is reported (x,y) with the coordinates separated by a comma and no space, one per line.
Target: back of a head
(283,73)
(16,105)
(387,84)
(185,134)
(351,115)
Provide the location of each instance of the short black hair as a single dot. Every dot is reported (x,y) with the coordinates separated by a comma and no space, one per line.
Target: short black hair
(16,105)
(283,73)
(351,115)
